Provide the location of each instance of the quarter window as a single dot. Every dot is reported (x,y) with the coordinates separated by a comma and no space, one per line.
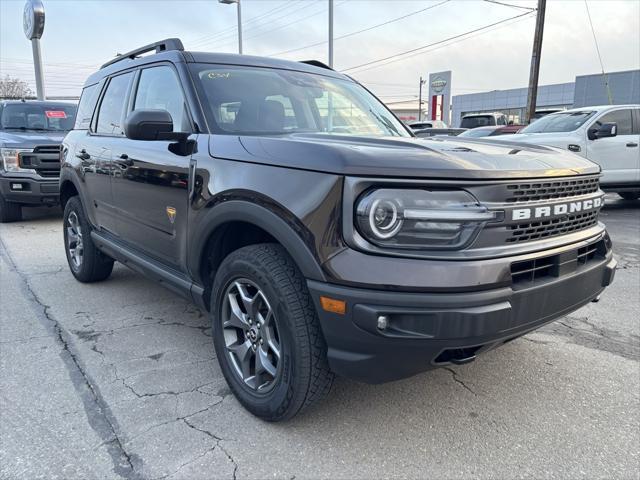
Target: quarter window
(621,117)
(159,89)
(86,106)
(112,106)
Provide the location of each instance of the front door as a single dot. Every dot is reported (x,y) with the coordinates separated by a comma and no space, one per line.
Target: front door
(149,182)
(618,156)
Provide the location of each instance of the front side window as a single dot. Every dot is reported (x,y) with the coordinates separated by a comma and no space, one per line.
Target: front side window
(113,104)
(52,117)
(559,122)
(159,89)
(259,101)
(620,117)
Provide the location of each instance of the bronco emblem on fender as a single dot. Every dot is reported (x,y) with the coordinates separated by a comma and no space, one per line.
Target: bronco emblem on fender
(171,213)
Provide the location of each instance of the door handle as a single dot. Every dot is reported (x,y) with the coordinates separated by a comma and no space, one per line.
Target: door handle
(83,155)
(632,144)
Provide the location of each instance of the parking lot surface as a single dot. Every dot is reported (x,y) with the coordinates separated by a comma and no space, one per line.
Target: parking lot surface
(119,380)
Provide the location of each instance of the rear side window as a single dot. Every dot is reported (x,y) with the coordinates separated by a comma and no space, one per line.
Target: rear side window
(85,108)
(636,121)
(113,104)
(621,117)
(159,89)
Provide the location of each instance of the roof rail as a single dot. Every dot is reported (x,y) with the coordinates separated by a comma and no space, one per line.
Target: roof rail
(317,63)
(161,46)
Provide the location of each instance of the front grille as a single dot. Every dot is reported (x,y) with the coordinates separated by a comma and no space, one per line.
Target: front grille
(527,272)
(45,160)
(48,149)
(524,232)
(531,192)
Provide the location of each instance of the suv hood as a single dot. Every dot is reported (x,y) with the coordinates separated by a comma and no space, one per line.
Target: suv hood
(29,138)
(432,158)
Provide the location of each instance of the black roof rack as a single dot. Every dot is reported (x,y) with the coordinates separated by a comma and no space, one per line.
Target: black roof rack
(161,46)
(317,63)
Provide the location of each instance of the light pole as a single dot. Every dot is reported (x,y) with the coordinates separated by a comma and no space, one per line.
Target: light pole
(331,33)
(237,2)
(422,82)
(33,25)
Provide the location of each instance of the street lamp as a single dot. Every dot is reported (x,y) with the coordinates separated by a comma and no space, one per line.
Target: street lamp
(228,2)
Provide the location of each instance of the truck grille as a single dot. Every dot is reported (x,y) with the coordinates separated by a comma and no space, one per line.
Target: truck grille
(530,192)
(523,232)
(45,160)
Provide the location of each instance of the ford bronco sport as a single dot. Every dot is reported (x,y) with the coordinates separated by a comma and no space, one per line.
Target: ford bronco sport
(31,134)
(320,235)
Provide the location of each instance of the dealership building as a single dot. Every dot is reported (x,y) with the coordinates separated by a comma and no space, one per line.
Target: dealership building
(587,90)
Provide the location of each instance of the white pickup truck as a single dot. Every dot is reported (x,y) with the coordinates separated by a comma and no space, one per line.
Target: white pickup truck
(607,135)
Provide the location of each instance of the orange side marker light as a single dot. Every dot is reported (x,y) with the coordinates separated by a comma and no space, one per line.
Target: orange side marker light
(334,306)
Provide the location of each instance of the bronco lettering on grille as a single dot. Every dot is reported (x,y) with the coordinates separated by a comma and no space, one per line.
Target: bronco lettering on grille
(559,209)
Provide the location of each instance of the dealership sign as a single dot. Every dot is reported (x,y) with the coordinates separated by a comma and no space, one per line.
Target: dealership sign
(438,84)
(33,19)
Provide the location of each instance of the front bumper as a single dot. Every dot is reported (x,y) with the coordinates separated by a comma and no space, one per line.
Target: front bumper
(32,191)
(426,330)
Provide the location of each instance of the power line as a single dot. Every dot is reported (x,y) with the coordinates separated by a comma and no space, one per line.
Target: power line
(531,9)
(361,31)
(418,50)
(595,40)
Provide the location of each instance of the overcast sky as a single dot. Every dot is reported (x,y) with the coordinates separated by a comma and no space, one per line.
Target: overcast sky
(79,35)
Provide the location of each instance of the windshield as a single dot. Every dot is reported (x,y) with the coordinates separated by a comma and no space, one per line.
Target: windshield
(32,116)
(558,122)
(477,132)
(478,121)
(259,101)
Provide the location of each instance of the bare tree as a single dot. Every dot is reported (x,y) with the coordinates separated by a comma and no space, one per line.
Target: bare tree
(11,87)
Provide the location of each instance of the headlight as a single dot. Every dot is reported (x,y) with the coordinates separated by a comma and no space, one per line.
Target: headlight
(420,219)
(10,160)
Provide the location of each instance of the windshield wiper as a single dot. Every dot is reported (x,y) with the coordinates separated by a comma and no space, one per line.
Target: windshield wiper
(26,128)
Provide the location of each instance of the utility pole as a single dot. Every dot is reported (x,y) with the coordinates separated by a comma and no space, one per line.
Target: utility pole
(422,82)
(532,93)
(331,33)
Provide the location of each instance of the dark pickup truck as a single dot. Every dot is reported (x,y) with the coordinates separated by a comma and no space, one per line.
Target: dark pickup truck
(319,233)
(31,134)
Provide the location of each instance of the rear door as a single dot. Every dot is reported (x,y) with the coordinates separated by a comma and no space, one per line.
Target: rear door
(618,156)
(150,183)
(94,149)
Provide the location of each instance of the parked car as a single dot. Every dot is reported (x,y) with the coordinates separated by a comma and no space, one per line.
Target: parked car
(366,253)
(544,112)
(483,120)
(31,134)
(427,124)
(431,132)
(491,131)
(607,135)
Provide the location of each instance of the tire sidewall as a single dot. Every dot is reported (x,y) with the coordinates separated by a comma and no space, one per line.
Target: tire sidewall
(275,403)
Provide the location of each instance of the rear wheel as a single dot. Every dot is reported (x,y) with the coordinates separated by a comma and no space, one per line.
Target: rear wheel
(630,195)
(9,211)
(267,334)
(86,262)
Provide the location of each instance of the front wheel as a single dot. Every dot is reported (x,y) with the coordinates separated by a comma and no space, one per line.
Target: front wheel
(267,334)
(630,195)
(86,262)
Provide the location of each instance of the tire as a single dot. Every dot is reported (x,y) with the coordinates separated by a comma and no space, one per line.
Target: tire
(86,262)
(266,275)
(630,195)
(9,211)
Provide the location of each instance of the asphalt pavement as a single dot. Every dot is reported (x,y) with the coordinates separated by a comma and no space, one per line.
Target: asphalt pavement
(119,380)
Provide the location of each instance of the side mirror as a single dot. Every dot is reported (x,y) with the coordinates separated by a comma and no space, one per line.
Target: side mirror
(152,125)
(605,130)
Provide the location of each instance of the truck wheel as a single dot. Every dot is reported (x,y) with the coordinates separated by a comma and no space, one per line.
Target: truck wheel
(630,195)
(9,211)
(87,263)
(267,334)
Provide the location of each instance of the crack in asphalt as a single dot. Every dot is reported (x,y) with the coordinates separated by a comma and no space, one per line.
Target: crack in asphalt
(98,413)
(458,380)
(218,445)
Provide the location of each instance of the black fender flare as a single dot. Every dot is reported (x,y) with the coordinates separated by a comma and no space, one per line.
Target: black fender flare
(269,221)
